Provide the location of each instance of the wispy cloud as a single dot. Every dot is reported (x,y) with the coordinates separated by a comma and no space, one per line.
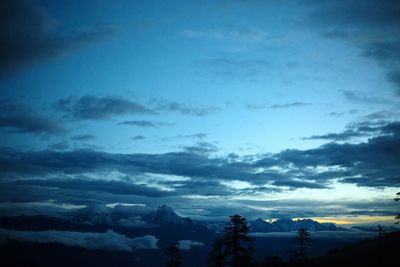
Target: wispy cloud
(360,97)
(99,107)
(83,137)
(236,34)
(145,123)
(276,106)
(184,109)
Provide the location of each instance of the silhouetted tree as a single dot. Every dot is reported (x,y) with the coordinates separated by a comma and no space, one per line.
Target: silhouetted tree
(216,257)
(301,240)
(398,215)
(175,259)
(238,244)
(381,231)
(273,261)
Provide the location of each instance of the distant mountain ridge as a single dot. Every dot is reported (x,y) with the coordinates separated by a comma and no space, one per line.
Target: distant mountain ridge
(138,217)
(280,225)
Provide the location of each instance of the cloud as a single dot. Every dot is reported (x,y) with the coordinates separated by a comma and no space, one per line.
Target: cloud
(290,105)
(202,147)
(372,27)
(233,67)
(114,187)
(363,98)
(357,13)
(88,176)
(141,123)
(109,241)
(346,135)
(371,125)
(373,163)
(394,77)
(59,146)
(91,107)
(188,244)
(99,108)
(145,123)
(196,135)
(235,34)
(20,118)
(138,137)
(29,34)
(184,109)
(277,106)
(83,137)
(341,114)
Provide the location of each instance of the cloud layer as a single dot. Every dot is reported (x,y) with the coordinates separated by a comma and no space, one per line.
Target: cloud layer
(30,34)
(110,240)
(19,117)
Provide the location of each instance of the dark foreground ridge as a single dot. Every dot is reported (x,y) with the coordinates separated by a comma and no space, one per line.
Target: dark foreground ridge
(125,237)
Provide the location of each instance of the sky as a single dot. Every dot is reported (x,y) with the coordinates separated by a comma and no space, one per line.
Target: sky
(266,108)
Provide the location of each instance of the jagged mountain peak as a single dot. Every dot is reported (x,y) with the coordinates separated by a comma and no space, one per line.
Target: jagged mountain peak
(165,208)
(259,220)
(165,215)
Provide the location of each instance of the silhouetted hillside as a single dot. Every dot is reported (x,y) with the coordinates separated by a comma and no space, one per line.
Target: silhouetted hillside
(376,252)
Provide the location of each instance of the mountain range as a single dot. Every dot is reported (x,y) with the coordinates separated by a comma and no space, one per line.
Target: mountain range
(143,218)
(125,224)
(140,217)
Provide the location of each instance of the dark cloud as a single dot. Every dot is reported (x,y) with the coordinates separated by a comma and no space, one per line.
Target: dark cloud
(394,77)
(59,146)
(19,117)
(290,105)
(383,51)
(83,137)
(141,123)
(375,13)
(184,109)
(299,184)
(99,108)
(113,187)
(373,163)
(29,34)
(194,162)
(336,136)
(360,97)
(138,137)
(202,147)
(368,128)
(373,27)
(340,114)
(146,123)
(196,135)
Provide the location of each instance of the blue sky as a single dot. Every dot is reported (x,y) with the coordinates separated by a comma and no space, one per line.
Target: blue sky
(254,106)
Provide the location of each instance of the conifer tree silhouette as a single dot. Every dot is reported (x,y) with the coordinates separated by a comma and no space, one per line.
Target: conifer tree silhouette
(175,259)
(238,244)
(301,240)
(398,215)
(216,257)
(381,231)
